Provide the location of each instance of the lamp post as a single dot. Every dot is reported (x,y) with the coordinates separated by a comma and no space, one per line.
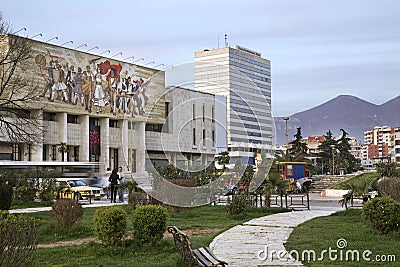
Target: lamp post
(120,53)
(287,143)
(23,29)
(96,47)
(85,45)
(39,34)
(138,60)
(107,51)
(52,39)
(129,58)
(333,160)
(67,43)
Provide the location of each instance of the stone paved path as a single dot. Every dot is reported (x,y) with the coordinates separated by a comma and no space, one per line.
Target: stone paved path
(242,245)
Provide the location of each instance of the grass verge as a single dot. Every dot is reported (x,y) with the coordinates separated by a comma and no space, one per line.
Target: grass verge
(130,254)
(347,227)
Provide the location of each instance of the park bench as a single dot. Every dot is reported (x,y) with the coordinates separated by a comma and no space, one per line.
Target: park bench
(196,257)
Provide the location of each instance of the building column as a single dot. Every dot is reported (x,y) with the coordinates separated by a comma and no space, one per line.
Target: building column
(141,146)
(104,143)
(84,146)
(62,133)
(124,151)
(37,147)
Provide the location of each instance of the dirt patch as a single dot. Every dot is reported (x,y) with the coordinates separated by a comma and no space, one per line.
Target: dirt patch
(77,242)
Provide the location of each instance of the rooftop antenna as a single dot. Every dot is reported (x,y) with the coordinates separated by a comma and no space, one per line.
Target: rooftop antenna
(218,41)
(226,40)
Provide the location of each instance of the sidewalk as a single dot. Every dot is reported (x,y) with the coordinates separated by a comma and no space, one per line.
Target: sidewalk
(258,241)
(85,204)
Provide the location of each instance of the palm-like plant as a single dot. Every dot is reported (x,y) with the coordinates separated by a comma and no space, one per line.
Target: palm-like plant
(62,148)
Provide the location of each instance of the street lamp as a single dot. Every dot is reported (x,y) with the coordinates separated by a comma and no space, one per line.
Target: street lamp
(120,53)
(39,34)
(23,29)
(85,45)
(129,58)
(138,60)
(333,159)
(287,143)
(107,51)
(96,47)
(52,39)
(67,43)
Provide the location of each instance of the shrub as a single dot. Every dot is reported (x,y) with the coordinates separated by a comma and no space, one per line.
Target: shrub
(6,192)
(384,213)
(66,212)
(25,194)
(238,203)
(389,187)
(150,223)
(110,225)
(137,198)
(18,239)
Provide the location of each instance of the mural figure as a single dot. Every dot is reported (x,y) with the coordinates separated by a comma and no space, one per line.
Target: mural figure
(87,88)
(69,77)
(77,88)
(122,95)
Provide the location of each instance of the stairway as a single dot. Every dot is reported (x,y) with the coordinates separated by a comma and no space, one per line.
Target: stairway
(322,182)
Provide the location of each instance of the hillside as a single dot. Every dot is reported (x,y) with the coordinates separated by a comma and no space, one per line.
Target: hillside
(345,111)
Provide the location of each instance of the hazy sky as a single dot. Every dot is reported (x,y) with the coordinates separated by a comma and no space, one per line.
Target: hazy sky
(319,49)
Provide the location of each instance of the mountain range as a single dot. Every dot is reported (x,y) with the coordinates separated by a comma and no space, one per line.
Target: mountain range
(347,112)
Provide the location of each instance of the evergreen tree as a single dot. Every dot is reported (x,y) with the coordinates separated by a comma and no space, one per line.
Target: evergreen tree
(346,160)
(325,152)
(297,146)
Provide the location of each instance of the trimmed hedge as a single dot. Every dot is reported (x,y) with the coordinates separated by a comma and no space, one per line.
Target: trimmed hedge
(149,223)
(110,225)
(6,192)
(18,239)
(384,213)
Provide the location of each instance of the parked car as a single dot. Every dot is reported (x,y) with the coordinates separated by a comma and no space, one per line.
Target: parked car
(77,189)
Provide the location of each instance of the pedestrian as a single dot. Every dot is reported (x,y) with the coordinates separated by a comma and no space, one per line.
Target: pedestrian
(121,184)
(113,179)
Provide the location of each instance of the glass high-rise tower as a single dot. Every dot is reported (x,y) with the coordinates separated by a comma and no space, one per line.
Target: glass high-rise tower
(244,78)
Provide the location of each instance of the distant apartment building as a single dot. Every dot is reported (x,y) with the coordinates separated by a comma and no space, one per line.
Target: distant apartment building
(243,77)
(381,142)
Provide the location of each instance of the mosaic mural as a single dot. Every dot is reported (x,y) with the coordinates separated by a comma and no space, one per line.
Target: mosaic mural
(96,84)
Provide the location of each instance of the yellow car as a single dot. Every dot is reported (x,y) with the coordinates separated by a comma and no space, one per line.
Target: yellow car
(78,189)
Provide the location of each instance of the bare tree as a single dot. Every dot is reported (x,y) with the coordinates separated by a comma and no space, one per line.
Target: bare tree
(19,116)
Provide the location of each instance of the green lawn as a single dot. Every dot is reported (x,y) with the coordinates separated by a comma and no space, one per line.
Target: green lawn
(365,178)
(324,232)
(214,218)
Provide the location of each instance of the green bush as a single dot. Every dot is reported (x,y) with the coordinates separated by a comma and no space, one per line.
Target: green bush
(18,239)
(110,225)
(238,203)
(149,223)
(25,194)
(6,192)
(66,212)
(389,187)
(384,213)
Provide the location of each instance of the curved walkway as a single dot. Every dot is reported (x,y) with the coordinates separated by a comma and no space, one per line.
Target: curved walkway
(259,241)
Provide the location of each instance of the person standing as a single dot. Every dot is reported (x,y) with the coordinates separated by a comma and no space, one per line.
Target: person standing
(113,179)
(121,182)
